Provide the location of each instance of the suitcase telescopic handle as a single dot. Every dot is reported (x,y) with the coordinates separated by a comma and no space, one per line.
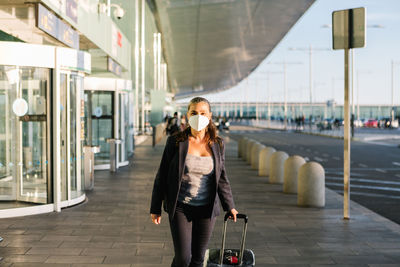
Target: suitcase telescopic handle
(239,216)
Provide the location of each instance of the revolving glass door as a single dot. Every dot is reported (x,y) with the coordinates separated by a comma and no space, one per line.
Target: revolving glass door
(24,134)
(99,122)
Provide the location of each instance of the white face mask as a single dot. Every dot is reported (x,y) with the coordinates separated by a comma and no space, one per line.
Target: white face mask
(198,122)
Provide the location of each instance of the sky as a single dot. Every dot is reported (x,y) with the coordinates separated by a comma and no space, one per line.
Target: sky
(373,67)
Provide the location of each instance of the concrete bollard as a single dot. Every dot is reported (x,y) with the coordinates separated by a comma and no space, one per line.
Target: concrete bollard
(240,146)
(251,146)
(290,173)
(244,145)
(263,162)
(276,167)
(255,158)
(248,149)
(311,185)
(243,149)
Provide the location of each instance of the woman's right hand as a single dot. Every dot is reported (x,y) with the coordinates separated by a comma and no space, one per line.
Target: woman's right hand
(156,218)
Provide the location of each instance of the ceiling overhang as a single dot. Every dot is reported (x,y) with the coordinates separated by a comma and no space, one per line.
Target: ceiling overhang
(211,45)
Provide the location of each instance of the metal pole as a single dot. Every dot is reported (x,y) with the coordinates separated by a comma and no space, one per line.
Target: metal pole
(392,111)
(247,98)
(346,156)
(256,102)
(159,61)
(109,8)
(241,109)
(166,77)
(137,64)
(269,102)
(311,88)
(161,81)
(143,48)
(311,83)
(155,55)
(358,96)
(285,95)
(352,92)
(352,82)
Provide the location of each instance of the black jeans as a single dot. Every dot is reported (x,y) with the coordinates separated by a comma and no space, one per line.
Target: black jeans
(191,229)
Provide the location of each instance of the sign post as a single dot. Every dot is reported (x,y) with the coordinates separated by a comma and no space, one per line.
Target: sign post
(348,30)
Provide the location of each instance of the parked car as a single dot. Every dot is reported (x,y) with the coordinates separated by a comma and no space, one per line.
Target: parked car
(358,123)
(325,124)
(388,123)
(371,123)
(225,125)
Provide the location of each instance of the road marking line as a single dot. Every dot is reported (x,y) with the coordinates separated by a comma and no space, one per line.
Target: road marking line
(397,175)
(370,194)
(325,155)
(396,163)
(362,165)
(380,170)
(380,188)
(361,180)
(336,158)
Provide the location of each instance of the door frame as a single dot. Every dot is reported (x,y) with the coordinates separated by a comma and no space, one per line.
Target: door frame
(20,154)
(67,175)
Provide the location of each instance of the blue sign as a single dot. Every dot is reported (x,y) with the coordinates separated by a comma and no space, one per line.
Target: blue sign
(113,66)
(52,25)
(72,10)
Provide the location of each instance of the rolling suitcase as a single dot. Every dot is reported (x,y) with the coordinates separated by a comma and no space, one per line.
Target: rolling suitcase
(231,257)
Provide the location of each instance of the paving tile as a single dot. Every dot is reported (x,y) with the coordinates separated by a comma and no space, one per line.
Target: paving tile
(133,259)
(66,238)
(74,259)
(25,258)
(373,259)
(109,252)
(100,265)
(80,244)
(4,251)
(154,246)
(47,244)
(41,265)
(304,260)
(383,265)
(54,251)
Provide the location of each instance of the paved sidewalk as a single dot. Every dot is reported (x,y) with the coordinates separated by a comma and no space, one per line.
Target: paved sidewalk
(113,227)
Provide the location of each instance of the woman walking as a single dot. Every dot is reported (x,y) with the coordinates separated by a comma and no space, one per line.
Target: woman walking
(191,182)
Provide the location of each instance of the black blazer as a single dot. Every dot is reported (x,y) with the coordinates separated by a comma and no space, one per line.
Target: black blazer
(169,176)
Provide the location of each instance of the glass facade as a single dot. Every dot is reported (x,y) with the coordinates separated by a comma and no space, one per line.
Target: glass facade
(76,148)
(124,126)
(100,117)
(71,88)
(24,122)
(108,114)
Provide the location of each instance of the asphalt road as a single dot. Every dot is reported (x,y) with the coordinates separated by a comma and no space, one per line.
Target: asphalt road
(375,169)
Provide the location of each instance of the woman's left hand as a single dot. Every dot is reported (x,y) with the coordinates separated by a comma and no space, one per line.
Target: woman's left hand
(234,212)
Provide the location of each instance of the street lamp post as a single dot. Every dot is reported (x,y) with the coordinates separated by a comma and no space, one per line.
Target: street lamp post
(358,90)
(284,64)
(310,50)
(392,110)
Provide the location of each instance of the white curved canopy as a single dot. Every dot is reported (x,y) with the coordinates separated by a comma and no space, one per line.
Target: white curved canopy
(211,45)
